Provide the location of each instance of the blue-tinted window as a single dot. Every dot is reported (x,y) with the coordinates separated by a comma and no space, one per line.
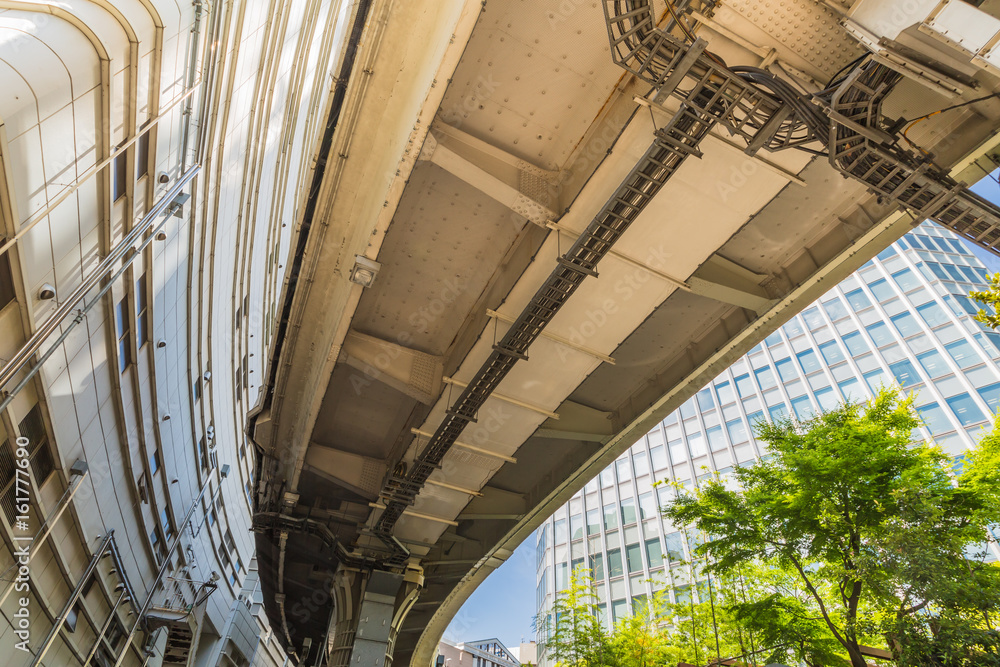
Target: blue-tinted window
(827,399)
(831,352)
(786,370)
(725,392)
(882,290)
(855,343)
(933,363)
(953,305)
(705,401)
(851,389)
(991,394)
(906,280)
(809,361)
(773,339)
(933,314)
(675,546)
(738,431)
(957,245)
(792,328)
(615,568)
(812,318)
(969,274)
(953,272)
(941,244)
(744,385)
(687,409)
(967,305)
(994,338)
(880,333)
(965,409)
(875,380)
(905,373)
(934,418)
(765,377)
(902,243)
(835,309)
(716,439)
(906,324)
(938,270)
(858,299)
(887,253)
(778,412)
(963,353)
(802,407)
(755,417)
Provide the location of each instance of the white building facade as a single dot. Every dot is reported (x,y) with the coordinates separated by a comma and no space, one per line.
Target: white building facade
(153,156)
(903,319)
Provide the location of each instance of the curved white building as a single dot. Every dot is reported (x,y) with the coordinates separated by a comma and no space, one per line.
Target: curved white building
(152,155)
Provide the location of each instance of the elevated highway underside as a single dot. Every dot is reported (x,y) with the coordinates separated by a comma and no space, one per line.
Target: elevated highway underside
(471,147)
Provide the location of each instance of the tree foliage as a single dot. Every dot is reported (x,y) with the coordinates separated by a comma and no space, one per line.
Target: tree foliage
(990,297)
(847,535)
(873,528)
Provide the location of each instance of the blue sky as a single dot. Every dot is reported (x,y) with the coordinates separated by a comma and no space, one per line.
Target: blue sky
(504,605)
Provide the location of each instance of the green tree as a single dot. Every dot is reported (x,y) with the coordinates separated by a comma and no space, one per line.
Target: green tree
(576,635)
(873,529)
(989,297)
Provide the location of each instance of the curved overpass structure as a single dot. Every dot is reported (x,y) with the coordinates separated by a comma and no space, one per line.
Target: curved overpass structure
(533,232)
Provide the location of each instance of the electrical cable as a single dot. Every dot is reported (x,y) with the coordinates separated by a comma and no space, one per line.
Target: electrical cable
(912,122)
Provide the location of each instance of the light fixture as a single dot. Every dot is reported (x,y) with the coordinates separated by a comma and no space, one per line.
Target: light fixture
(207,376)
(166,418)
(163,177)
(47,292)
(364,271)
(161,236)
(161,343)
(224,471)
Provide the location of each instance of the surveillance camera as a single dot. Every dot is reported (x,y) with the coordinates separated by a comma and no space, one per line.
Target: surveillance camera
(47,292)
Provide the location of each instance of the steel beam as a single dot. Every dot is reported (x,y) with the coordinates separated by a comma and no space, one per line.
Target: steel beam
(520,186)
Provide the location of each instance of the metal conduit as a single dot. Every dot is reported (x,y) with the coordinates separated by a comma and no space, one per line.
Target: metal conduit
(77,592)
(34,344)
(141,614)
(104,628)
(768,113)
(917,184)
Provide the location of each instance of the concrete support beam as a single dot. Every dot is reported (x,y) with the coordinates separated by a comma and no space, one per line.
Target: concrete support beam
(416,374)
(518,185)
(723,280)
(495,503)
(578,422)
(360,474)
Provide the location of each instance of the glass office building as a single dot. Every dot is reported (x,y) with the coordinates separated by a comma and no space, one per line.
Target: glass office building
(904,318)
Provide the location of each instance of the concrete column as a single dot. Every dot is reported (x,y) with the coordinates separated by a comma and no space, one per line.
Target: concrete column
(370,607)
